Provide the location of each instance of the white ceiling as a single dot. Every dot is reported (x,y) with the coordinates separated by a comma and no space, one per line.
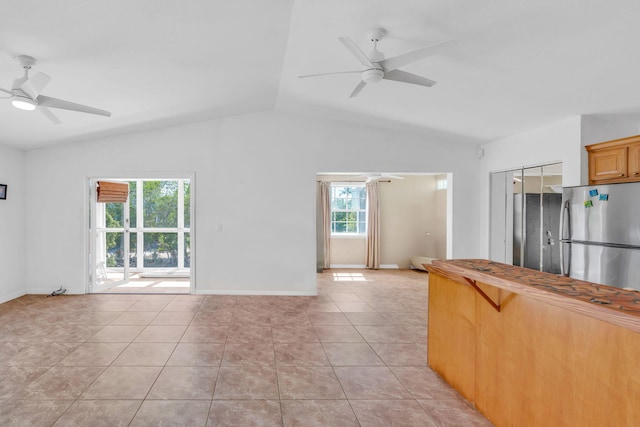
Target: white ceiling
(515,64)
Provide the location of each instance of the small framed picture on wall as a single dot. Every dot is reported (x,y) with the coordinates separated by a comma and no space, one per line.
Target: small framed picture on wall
(3,191)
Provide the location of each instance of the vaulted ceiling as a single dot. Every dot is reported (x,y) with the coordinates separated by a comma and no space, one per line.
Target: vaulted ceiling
(513,66)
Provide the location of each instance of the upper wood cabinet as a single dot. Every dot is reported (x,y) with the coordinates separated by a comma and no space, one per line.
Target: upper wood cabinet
(614,161)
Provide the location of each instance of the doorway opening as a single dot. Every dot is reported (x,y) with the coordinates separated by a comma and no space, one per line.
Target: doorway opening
(143,244)
(414,212)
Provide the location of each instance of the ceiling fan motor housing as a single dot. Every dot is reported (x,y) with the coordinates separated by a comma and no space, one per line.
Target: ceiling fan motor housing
(372,75)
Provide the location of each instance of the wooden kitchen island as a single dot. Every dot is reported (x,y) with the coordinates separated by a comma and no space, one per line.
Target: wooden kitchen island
(535,349)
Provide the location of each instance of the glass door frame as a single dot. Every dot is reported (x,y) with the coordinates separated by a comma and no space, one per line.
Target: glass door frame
(90,223)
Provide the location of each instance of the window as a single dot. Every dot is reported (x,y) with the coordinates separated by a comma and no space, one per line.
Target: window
(348,209)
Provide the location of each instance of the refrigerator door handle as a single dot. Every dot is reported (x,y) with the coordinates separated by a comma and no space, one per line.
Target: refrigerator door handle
(565,236)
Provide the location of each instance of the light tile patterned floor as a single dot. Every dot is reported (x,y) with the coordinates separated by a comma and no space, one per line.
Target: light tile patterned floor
(355,355)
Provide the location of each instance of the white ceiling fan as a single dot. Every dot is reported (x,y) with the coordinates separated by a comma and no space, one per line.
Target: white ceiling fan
(375,67)
(378,176)
(25,94)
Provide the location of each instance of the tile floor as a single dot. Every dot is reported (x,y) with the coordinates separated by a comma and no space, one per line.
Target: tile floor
(352,356)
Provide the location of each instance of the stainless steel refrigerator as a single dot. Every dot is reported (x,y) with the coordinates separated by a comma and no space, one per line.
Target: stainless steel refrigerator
(600,234)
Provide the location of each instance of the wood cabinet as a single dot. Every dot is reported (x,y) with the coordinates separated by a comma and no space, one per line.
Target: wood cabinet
(535,362)
(614,161)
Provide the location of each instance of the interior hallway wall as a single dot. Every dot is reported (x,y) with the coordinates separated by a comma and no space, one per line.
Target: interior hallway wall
(12,224)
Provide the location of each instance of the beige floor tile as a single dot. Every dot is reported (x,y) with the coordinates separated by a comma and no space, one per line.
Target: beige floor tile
(384,413)
(423,383)
(122,383)
(337,334)
(367,318)
(451,412)
(168,413)
(196,354)
(318,413)
(187,334)
(14,378)
(351,354)
(248,354)
(117,333)
(300,354)
(294,334)
(191,383)
(161,334)
(206,333)
(40,354)
(401,354)
(133,318)
(297,382)
(328,319)
(173,318)
(99,413)
(60,383)
(93,354)
(370,383)
(31,413)
(246,382)
(259,413)
(145,354)
(249,333)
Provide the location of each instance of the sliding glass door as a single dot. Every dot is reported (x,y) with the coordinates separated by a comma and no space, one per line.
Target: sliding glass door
(524,217)
(148,236)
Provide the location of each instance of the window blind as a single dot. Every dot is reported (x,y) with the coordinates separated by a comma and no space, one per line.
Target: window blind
(112,192)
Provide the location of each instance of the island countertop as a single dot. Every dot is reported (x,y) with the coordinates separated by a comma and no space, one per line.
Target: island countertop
(613,305)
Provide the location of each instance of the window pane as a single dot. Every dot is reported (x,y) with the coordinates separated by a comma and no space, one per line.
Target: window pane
(362,216)
(362,226)
(114,213)
(340,227)
(160,203)
(114,246)
(133,250)
(187,205)
(160,250)
(132,204)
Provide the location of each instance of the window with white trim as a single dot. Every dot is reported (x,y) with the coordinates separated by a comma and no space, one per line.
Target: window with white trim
(348,209)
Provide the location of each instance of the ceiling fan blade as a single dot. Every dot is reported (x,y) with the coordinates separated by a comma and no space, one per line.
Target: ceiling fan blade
(49,115)
(398,61)
(6,91)
(326,74)
(355,50)
(404,77)
(358,89)
(35,85)
(66,105)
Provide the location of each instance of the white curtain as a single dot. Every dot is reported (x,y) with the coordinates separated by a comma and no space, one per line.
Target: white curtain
(373,226)
(325,197)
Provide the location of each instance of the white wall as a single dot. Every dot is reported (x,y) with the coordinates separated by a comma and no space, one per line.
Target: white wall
(558,142)
(255,175)
(409,223)
(12,224)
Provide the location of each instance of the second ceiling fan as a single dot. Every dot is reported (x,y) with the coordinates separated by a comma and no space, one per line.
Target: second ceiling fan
(375,67)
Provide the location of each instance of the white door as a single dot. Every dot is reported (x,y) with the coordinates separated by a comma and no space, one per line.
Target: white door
(111,244)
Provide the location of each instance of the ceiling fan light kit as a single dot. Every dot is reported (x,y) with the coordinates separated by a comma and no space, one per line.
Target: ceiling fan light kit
(25,94)
(23,103)
(376,67)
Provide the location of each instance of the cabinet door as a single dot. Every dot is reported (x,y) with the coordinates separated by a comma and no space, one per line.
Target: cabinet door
(608,164)
(634,161)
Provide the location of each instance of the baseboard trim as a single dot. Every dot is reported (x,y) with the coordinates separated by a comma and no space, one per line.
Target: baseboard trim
(11,296)
(256,292)
(362,266)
